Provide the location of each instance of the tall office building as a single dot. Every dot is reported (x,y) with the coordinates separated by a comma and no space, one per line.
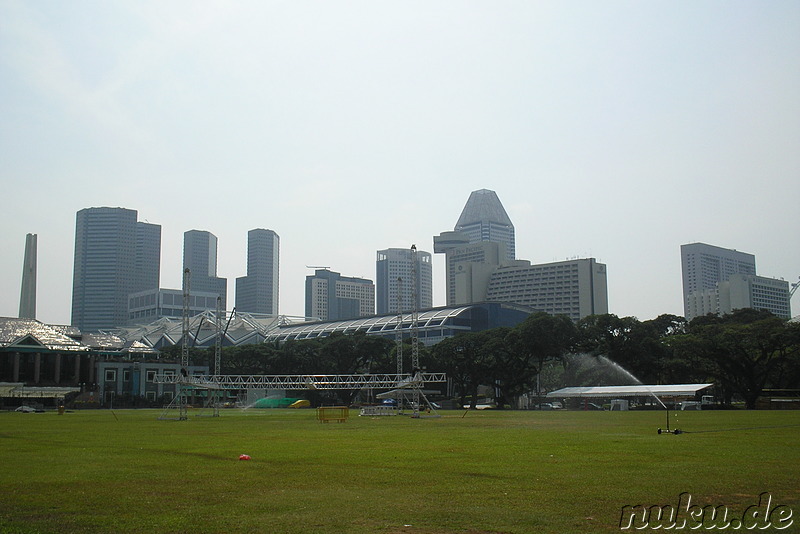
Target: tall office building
(484,219)
(200,257)
(148,257)
(396,263)
(258,291)
(333,297)
(114,256)
(705,266)
(27,298)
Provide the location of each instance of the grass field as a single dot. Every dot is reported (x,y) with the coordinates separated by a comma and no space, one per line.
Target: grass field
(485,472)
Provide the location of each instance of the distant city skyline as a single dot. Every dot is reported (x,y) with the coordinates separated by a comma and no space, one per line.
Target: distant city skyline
(612,131)
(195,238)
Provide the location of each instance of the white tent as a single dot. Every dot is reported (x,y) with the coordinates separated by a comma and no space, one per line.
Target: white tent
(662,390)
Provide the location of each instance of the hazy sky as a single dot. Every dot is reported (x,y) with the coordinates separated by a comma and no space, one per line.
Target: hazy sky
(618,130)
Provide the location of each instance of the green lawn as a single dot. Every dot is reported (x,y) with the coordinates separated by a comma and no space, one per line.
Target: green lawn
(489,471)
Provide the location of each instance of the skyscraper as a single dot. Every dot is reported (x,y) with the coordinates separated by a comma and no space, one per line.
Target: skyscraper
(200,257)
(705,266)
(484,219)
(394,263)
(148,256)
(114,257)
(333,297)
(258,291)
(27,298)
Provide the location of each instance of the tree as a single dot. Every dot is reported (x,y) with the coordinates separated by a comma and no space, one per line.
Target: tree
(538,339)
(633,345)
(464,362)
(743,351)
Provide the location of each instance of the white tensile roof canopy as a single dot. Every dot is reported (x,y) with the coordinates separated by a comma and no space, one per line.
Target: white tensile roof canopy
(662,390)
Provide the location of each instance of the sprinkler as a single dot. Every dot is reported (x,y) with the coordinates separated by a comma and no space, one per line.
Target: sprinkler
(668,431)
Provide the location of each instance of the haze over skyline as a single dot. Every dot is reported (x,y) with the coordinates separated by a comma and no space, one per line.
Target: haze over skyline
(617,130)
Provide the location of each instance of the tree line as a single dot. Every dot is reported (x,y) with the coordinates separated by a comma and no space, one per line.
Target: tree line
(742,353)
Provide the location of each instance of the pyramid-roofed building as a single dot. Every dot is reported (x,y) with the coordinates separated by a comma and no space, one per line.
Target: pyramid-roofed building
(485,219)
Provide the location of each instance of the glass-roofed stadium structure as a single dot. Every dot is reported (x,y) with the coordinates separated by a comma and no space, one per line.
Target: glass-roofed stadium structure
(434,325)
(245,328)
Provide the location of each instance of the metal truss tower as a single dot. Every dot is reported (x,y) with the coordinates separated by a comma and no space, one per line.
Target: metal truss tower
(180,389)
(183,380)
(399,338)
(214,395)
(416,372)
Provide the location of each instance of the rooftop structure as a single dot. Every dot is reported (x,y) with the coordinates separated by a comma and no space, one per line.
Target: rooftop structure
(433,325)
(485,219)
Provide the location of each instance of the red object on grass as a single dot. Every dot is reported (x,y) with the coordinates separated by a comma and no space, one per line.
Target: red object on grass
(244,456)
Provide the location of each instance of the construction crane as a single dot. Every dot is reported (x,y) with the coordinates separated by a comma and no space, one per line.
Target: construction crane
(794,288)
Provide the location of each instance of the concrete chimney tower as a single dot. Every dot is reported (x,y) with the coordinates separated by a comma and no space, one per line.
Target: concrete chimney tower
(27,299)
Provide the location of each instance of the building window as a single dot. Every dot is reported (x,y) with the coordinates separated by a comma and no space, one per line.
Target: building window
(151,395)
(126,375)
(111,375)
(151,375)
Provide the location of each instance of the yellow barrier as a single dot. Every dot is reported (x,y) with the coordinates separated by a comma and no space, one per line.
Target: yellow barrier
(326,414)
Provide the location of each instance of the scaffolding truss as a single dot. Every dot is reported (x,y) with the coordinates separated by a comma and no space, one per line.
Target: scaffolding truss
(299,382)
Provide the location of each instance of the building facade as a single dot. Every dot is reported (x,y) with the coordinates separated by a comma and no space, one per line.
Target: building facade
(138,379)
(704,266)
(394,281)
(741,291)
(485,219)
(200,257)
(332,297)
(114,256)
(147,306)
(258,291)
(718,281)
(575,288)
(468,270)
